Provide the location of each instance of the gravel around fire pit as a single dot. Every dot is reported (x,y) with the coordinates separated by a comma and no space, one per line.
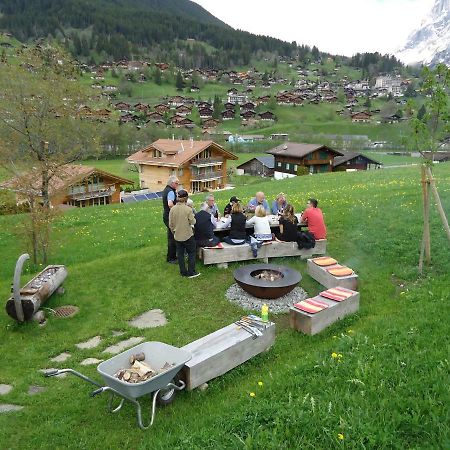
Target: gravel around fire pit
(235,294)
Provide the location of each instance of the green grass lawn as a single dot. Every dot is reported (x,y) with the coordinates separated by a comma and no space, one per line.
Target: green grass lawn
(388,390)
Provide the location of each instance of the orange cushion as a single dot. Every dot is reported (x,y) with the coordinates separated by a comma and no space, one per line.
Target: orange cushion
(325,261)
(340,271)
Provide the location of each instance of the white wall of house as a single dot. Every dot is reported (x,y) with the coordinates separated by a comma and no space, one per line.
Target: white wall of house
(282,175)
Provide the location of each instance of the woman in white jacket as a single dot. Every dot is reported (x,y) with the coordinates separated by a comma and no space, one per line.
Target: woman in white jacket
(262,231)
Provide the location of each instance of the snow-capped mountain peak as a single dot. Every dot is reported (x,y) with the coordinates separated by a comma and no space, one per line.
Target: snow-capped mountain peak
(430,43)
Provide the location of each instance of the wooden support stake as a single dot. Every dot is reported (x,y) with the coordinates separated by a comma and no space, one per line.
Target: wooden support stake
(438,203)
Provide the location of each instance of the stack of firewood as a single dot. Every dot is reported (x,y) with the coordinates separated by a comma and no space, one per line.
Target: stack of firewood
(140,370)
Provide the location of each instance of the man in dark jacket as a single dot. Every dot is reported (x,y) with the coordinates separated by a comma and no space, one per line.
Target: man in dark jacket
(169,199)
(227,210)
(204,228)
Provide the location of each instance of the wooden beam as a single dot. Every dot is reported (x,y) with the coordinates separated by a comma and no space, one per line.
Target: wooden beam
(218,352)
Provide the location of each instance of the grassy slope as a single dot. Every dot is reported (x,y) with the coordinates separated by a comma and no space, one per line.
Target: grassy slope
(390,389)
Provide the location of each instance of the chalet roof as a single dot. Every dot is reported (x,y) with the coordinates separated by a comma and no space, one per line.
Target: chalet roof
(298,150)
(348,156)
(67,176)
(268,161)
(175,152)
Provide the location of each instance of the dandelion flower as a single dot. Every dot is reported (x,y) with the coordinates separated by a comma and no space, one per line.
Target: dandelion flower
(260,383)
(334,355)
(252,394)
(340,436)
(350,331)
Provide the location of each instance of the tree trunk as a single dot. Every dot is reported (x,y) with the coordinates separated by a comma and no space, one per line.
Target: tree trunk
(425,247)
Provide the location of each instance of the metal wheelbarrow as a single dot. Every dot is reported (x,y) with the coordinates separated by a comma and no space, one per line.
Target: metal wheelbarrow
(163,387)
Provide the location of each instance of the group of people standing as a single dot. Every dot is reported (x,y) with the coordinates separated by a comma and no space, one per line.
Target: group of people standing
(188,229)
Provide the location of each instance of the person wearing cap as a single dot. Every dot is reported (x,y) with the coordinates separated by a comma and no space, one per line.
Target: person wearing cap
(227,209)
(181,222)
(279,204)
(258,200)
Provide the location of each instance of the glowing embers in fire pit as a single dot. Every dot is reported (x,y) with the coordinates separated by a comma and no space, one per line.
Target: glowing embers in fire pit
(267,275)
(267,280)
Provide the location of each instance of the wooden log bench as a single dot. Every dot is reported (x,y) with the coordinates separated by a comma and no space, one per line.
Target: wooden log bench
(218,352)
(311,324)
(232,253)
(322,276)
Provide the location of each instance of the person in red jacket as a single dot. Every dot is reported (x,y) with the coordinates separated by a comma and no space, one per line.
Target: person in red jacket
(314,219)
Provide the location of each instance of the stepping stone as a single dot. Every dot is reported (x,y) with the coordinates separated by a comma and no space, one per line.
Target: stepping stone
(121,346)
(44,371)
(33,390)
(90,343)
(5,407)
(5,389)
(118,332)
(90,361)
(61,357)
(150,319)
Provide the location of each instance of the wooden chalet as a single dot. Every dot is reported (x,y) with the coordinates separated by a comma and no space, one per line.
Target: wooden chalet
(267,115)
(210,123)
(183,110)
(250,114)
(199,165)
(354,161)
(361,117)
(228,114)
(293,159)
(154,116)
(162,108)
(74,185)
(205,113)
(262,166)
(123,106)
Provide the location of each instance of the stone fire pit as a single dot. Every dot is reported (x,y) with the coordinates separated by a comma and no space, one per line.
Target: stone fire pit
(267,281)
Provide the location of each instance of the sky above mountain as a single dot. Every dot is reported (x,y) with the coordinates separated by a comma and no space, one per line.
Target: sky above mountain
(342,27)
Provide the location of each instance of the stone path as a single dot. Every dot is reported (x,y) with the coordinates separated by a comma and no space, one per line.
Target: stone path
(90,361)
(121,346)
(5,389)
(5,407)
(90,343)
(118,332)
(150,319)
(33,390)
(61,357)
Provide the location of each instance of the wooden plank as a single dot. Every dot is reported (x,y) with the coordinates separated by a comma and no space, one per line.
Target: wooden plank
(217,353)
(322,276)
(231,253)
(314,323)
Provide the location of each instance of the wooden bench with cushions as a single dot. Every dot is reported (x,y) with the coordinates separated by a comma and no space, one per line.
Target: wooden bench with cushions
(274,249)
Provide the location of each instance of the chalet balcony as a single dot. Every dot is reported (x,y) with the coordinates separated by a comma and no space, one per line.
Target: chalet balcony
(206,176)
(206,162)
(91,194)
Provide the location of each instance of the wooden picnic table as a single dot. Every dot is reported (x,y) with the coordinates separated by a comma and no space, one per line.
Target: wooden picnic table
(274,225)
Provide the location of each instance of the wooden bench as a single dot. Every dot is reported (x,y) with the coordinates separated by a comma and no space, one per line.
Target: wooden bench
(218,352)
(314,323)
(232,253)
(322,276)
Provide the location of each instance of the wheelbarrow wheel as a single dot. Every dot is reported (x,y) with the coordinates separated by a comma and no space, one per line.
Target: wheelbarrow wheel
(167,396)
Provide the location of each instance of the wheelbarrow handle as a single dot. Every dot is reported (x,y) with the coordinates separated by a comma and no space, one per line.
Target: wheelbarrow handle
(96,392)
(51,373)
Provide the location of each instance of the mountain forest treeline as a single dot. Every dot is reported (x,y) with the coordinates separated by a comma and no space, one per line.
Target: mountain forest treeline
(175,31)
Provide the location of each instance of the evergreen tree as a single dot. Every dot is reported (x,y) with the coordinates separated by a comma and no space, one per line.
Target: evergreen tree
(157,78)
(217,107)
(179,83)
(422,112)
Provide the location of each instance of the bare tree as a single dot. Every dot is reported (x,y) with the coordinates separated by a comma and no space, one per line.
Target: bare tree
(40,129)
(426,136)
